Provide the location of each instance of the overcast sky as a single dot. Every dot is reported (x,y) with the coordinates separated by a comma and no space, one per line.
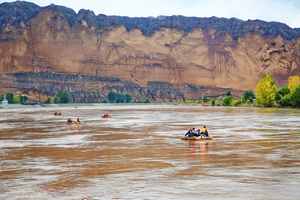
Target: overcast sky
(285,11)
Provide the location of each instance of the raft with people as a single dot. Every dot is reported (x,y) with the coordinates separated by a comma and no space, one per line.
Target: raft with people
(197,138)
(73,122)
(69,121)
(194,134)
(57,114)
(106,116)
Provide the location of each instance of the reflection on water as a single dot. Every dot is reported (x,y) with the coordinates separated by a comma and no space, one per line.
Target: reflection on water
(137,154)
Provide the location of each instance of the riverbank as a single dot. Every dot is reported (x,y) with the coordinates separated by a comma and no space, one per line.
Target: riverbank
(7,106)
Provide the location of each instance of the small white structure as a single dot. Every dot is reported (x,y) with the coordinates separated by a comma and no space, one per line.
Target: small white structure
(5,101)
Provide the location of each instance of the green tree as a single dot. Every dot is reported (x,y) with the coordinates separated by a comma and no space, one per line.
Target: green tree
(49,100)
(205,99)
(64,97)
(56,99)
(25,98)
(213,102)
(228,93)
(147,100)
(281,93)
(105,101)
(243,99)
(248,94)
(227,100)
(266,90)
(295,97)
(220,98)
(10,97)
(128,98)
(22,99)
(2,97)
(237,102)
(285,101)
(112,97)
(294,81)
(120,98)
(250,100)
(17,99)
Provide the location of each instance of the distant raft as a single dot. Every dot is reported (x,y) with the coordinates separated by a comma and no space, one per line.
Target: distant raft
(197,138)
(106,117)
(73,122)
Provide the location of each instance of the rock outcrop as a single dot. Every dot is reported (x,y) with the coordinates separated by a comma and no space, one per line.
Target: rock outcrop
(45,50)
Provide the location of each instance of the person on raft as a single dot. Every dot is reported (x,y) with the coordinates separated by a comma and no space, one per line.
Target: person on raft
(204,132)
(192,132)
(55,113)
(78,120)
(69,120)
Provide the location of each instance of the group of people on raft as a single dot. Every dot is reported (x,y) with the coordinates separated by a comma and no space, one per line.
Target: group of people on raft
(106,115)
(69,120)
(197,133)
(57,113)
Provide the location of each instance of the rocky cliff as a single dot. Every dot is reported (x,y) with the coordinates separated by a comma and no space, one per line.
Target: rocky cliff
(45,50)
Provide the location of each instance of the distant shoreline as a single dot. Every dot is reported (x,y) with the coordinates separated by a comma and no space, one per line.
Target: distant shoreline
(8,106)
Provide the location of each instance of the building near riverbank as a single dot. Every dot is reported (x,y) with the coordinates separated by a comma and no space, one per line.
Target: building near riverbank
(5,102)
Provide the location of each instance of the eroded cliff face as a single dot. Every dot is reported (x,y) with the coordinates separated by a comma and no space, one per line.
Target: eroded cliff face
(56,40)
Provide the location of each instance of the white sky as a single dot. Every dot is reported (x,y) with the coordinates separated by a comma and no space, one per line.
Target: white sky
(285,11)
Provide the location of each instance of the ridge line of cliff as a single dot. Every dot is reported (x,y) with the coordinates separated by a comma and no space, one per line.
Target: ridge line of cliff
(14,13)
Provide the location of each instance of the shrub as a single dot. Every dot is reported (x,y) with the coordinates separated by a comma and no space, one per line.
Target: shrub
(237,102)
(251,100)
(56,99)
(112,97)
(285,101)
(243,99)
(213,102)
(227,100)
(281,93)
(247,95)
(25,98)
(228,93)
(64,97)
(10,97)
(49,100)
(105,101)
(128,98)
(120,98)
(295,97)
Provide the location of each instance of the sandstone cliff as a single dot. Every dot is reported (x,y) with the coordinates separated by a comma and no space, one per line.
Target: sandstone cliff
(44,50)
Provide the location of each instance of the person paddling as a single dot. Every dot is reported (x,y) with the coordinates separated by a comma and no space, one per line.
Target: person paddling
(204,132)
(191,133)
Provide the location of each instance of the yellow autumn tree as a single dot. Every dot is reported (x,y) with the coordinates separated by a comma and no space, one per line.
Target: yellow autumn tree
(266,90)
(294,81)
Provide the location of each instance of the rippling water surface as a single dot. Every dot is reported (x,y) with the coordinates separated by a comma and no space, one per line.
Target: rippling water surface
(137,154)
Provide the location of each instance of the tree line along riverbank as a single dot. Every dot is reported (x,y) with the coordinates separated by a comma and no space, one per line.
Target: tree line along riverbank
(266,95)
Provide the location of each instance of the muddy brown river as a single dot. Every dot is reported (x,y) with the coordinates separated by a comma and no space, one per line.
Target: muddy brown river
(137,154)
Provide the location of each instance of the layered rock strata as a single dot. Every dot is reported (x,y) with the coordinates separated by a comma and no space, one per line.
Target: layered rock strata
(45,50)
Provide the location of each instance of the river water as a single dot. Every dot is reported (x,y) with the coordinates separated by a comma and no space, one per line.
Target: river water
(137,154)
